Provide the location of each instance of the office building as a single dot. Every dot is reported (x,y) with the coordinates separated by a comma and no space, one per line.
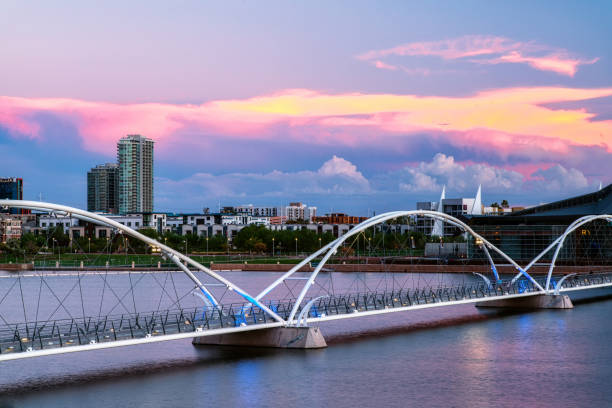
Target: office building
(522,235)
(102,186)
(12,189)
(135,158)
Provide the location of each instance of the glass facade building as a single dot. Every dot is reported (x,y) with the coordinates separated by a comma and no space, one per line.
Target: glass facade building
(135,158)
(12,189)
(102,188)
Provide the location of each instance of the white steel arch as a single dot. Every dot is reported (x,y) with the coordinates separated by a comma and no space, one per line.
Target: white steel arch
(332,247)
(548,248)
(575,225)
(174,255)
(558,243)
(369,222)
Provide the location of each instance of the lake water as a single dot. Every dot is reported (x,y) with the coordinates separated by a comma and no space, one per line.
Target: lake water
(451,357)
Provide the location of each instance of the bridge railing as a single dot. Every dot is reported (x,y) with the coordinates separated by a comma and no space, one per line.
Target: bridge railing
(22,337)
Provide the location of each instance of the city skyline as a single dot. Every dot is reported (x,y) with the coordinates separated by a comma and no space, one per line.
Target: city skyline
(287,114)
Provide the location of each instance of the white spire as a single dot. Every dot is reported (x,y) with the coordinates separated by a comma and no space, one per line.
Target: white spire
(600,186)
(438,227)
(477,207)
(442,197)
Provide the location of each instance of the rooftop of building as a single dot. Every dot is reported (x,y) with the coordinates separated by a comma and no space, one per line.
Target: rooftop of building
(599,202)
(139,138)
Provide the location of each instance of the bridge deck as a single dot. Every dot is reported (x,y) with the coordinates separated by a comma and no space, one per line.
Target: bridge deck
(22,340)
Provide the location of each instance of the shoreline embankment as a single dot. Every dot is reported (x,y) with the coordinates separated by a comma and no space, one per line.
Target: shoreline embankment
(345,268)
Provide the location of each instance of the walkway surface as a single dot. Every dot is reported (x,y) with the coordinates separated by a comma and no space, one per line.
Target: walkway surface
(60,336)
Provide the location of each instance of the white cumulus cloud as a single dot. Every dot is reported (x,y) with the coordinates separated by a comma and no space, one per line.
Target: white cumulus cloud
(335,176)
(444,170)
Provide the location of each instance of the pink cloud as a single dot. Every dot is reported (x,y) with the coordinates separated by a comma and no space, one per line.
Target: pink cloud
(504,50)
(483,121)
(466,46)
(559,63)
(381,65)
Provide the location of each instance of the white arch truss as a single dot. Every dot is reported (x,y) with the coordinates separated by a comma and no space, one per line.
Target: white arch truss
(174,255)
(558,243)
(332,247)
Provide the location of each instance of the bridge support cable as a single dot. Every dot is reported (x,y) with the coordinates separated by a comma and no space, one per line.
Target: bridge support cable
(186,270)
(493,268)
(41,206)
(387,216)
(483,247)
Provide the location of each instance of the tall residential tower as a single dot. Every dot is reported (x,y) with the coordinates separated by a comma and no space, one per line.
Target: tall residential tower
(102,188)
(135,157)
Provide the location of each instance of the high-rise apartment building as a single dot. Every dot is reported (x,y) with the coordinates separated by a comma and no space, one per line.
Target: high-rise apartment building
(135,158)
(102,188)
(11,189)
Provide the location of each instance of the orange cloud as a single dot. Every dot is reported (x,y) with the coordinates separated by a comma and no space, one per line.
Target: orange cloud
(500,119)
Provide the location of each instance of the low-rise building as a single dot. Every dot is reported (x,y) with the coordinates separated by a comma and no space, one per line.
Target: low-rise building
(256,211)
(10,228)
(339,218)
(48,221)
(133,221)
(299,211)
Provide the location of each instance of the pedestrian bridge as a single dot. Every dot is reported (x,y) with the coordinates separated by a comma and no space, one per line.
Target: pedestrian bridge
(94,310)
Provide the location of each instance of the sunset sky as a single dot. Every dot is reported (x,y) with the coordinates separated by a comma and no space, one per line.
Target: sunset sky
(348,105)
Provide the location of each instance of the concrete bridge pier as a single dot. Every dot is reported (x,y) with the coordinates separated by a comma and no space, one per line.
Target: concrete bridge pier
(276,337)
(530,302)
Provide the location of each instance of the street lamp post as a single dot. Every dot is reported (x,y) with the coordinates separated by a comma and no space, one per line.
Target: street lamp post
(185,242)
(296,240)
(370,246)
(206,246)
(319,242)
(272,247)
(89,244)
